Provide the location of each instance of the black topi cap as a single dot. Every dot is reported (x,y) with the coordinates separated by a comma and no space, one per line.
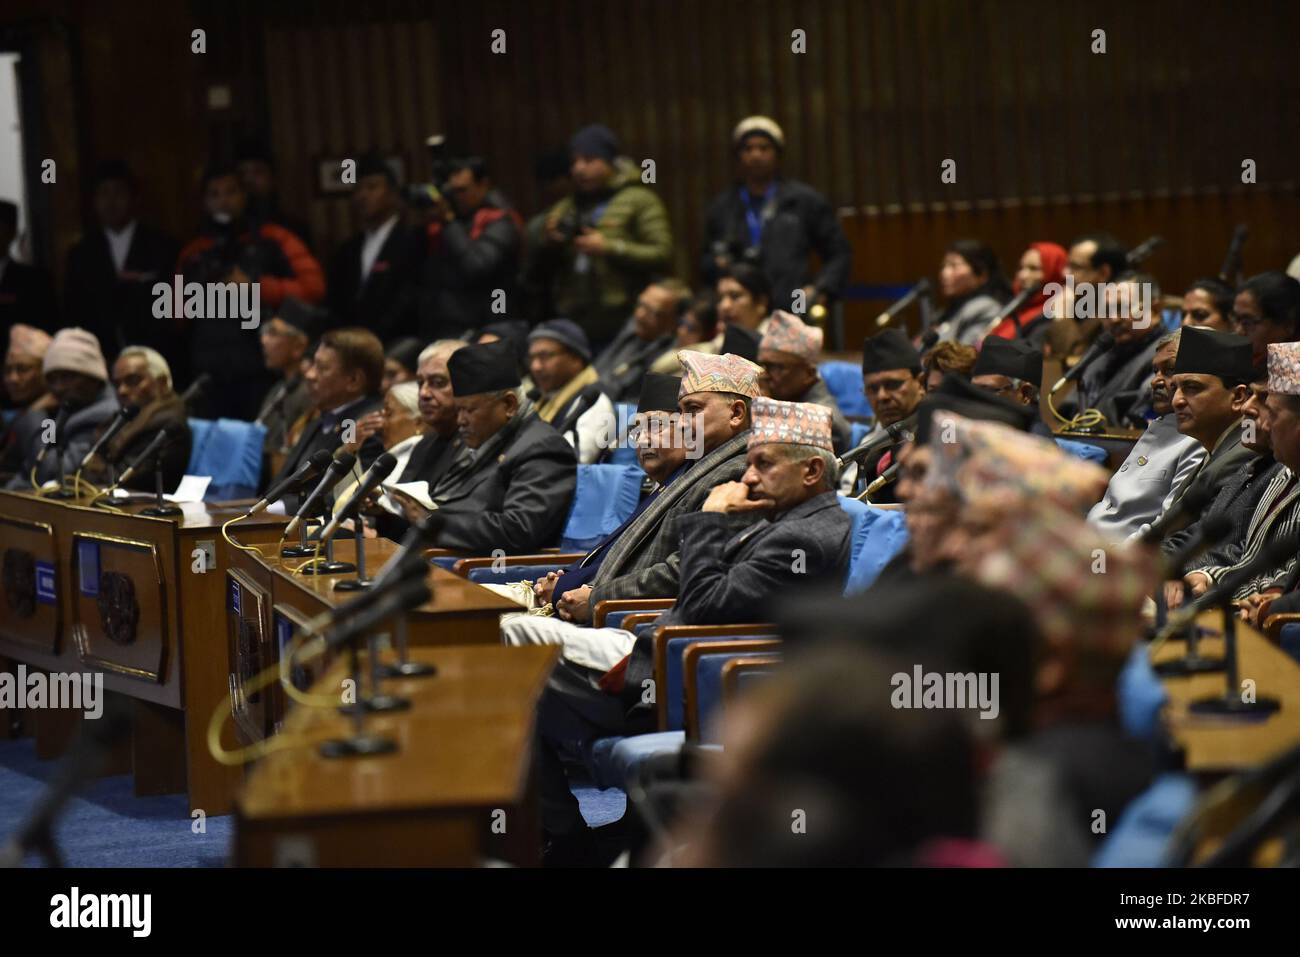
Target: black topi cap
(659,392)
(1013,358)
(890,349)
(483,368)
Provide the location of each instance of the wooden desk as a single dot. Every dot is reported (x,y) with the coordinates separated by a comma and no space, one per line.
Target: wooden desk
(118,594)
(266,604)
(1216,745)
(461,774)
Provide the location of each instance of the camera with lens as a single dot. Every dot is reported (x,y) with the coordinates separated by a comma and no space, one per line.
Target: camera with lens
(424,195)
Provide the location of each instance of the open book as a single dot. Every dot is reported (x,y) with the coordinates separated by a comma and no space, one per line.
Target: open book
(417,492)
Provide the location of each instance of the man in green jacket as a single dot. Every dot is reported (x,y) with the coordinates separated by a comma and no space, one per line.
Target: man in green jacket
(605,243)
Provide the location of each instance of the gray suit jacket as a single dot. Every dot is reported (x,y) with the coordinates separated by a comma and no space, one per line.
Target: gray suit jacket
(643,562)
(730,576)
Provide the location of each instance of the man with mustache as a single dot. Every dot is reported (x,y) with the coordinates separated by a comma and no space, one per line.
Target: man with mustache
(893,382)
(1160,461)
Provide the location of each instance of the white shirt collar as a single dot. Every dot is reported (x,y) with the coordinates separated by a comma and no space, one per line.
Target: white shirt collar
(119,243)
(373,242)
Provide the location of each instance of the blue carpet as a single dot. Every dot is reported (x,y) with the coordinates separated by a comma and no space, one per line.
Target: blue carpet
(106,825)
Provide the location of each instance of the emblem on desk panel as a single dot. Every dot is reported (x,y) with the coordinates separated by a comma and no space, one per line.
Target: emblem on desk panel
(249,659)
(119,612)
(45,593)
(19,576)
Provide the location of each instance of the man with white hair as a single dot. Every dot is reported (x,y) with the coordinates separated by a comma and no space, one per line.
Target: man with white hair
(142,380)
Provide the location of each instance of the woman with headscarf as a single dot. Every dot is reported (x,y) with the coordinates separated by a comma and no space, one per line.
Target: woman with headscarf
(972,283)
(1041,264)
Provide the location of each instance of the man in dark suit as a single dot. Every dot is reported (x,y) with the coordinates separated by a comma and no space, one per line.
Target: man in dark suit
(112,269)
(894,384)
(26,293)
(515,490)
(1118,385)
(1211,382)
(440,448)
(373,276)
(344,384)
(737,552)
(642,562)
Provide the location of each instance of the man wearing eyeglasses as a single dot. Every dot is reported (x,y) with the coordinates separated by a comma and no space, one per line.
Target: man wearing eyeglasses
(788,354)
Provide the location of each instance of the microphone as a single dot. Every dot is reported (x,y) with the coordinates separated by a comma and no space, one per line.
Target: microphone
(60,421)
(1014,304)
(1101,345)
(309,471)
(120,418)
(403,567)
(379,470)
(1144,249)
(1231,268)
(883,479)
(423,534)
(197,388)
(1211,530)
(891,435)
(156,444)
(403,597)
(1185,510)
(921,288)
(339,466)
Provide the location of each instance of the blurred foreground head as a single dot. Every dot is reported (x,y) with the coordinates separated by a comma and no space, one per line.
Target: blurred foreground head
(819,770)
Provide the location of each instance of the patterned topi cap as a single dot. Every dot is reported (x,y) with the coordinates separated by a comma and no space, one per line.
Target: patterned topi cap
(791,423)
(1284,368)
(724,373)
(786,332)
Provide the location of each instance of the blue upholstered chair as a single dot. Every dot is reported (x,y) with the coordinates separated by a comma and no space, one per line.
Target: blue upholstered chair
(1084,450)
(624,453)
(231,452)
(844,380)
(878,535)
(708,691)
(605,497)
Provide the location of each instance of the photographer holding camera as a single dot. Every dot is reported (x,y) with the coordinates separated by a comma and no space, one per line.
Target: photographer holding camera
(474,242)
(235,246)
(604,244)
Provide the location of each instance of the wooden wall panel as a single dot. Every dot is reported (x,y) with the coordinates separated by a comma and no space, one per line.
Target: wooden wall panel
(887,89)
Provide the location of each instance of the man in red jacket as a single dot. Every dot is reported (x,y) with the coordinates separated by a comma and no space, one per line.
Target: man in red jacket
(234,245)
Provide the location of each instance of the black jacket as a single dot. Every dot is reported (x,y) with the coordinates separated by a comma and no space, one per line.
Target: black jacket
(320,434)
(798,222)
(730,576)
(26,296)
(118,309)
(467,261)
(625,361)
(431,459)
(514,494)
(384,301)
